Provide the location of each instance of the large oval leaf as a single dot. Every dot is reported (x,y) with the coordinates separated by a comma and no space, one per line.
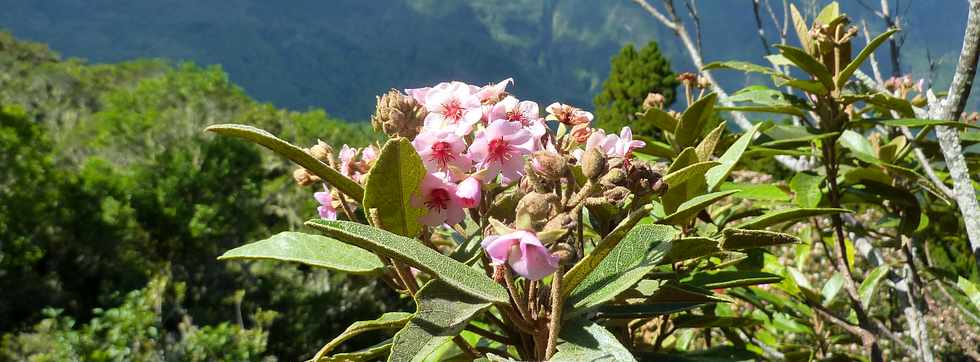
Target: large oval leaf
(585,340)
(584,267)
(295,154)
(442,313)
(412,252)
(636,255)
(692,122)
(314,250)
(389,188)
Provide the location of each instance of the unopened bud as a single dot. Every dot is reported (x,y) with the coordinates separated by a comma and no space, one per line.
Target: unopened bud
(703,82)
(398,115)
(653,100)
(614,177)
(687,78)
(561,221)
(617,195)
(593,164)
(919,101)
(581,132)
(566,253)
(303,177)
(549,165)
(534,209)
(321,151)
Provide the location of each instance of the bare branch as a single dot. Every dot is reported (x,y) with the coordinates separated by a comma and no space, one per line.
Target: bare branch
(949,140)
(761,29)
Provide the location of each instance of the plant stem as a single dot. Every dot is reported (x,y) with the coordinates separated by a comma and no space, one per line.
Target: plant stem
(554,324)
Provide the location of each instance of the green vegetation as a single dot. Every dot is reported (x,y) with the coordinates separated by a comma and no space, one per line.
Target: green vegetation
(109,188)
(633,76)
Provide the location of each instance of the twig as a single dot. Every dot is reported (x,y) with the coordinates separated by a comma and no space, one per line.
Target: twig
(554,325)
(949,139)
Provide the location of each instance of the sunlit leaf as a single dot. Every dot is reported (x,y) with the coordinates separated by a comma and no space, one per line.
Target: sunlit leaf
(393,179)
(867,288)
(442,313)
(391,320)
(773,218)
(314,250)
(808,64)
(732,155)
(690,208)
(693,120)
(846,73)
(585,340)
(737,239)
(414,253)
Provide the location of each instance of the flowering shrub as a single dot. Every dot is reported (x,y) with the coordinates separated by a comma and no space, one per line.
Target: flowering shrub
(530,236)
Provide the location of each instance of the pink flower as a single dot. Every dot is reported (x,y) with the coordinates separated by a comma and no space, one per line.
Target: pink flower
(523,252)
(441,150)
(353,167)
(453,107)
(492,92)
(347,154)
(326,208)
(612,145)
(468,192)
(438,196)
(567,114)
(500,148)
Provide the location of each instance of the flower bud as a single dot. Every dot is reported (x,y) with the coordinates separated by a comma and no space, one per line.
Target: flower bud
(561,221)
(468,192)
(549,165)
(703,82)
(566,254)
(653,100)
(687,78)
(398,115)
(593,164)
(617,195)
(321,151)
(919,101)
(535,209)
(614,177)
(303,177)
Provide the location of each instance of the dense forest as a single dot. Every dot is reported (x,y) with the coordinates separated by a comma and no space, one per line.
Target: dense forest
(114,206)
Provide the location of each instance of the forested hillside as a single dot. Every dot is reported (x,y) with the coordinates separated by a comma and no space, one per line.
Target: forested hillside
(338,55)
(114,205)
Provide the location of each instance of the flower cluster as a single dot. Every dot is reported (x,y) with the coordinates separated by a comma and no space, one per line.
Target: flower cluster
(472,138)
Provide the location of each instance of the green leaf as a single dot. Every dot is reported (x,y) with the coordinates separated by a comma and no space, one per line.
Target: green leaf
(730,279)
(782,216)
(883,100)
(859,145)
(798,141)
(411,251)
(867,289)
(644,310)
(781,109)
(745,67)
(392,320)
(802,29)
(808,64)
(752,191)
(737,239)
(636,255)
(806,85)
(732,155)
(675,178)
(832,287)
(689,248)
(710,321)
(313,250)
(295,154)
(395,176)
(692,122)
(707,146)
(581,270)
(442,313)
(846,73)
(806,189)
(690,208)
(654,148)
(585,340)
(828,13)
(660,119)
(372,353)
(970,290)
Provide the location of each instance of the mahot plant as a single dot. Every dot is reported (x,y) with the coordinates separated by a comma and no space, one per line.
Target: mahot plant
(524,233)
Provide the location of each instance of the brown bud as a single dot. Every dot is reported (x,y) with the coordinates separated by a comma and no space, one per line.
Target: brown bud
(549,165)
(321,151)
(303,177)
(703,82)
(687,78)
(653,100)
(614,177)
(561,221)
(398,115)
(566,254)
(617,195)
(593,164)
(535,208)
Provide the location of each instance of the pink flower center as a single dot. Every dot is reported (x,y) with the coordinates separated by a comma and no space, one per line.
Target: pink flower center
(452,110)
(517,117)
(442,152)
(438,199)
(500,150)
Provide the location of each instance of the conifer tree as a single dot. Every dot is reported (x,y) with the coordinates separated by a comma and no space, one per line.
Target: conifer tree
(633,75)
